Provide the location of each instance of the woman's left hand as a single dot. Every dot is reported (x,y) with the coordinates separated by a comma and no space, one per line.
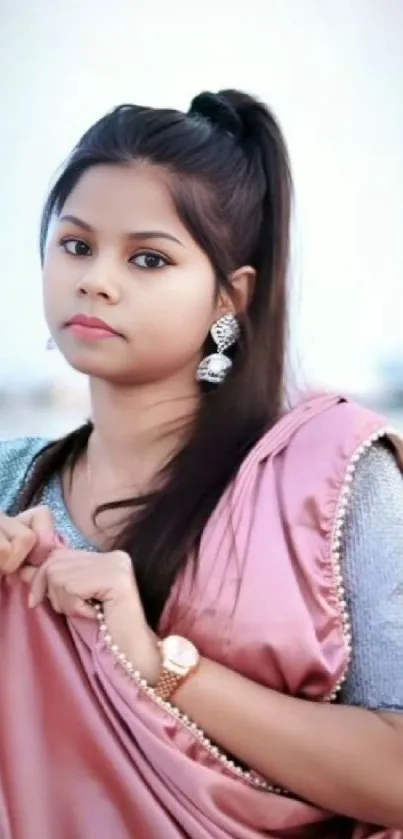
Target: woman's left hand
(70,579)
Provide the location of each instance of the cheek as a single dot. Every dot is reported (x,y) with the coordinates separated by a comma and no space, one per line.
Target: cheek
(180,315)
(55,285)
(48,290)
(51,300)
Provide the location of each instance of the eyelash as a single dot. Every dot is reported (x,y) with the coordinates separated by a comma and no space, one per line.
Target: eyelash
(70,241)
(73,240)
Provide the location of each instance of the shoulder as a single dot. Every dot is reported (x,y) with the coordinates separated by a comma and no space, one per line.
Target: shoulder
(379,466)
(339,424)
(376,499)
(324,433)
(20,451)
(374,532)
(330,443)
(312,455)
(372,561)
(16,458)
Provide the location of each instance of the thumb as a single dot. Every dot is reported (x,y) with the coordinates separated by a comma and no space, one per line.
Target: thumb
(39,520)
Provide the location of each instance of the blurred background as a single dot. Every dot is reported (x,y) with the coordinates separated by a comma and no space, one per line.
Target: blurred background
(333,72)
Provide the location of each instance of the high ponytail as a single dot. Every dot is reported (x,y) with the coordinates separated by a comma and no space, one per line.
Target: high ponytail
(230,180)
(264,142)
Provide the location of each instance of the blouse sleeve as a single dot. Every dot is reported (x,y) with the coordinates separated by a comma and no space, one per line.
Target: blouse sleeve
(373,572)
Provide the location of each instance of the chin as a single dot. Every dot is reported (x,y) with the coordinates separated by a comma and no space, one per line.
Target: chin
(98,370)
(99,366)
(91,367)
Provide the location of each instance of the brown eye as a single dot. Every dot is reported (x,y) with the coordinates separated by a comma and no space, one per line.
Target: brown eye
(150,260)
(76,247)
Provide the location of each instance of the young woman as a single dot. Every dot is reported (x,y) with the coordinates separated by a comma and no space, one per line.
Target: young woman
(201,589)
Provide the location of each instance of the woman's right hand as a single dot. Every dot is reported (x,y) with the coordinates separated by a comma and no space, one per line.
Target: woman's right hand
(20,534)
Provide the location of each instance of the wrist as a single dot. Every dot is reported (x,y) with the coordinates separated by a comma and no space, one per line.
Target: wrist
(179,660)
(131,635)
(148,657)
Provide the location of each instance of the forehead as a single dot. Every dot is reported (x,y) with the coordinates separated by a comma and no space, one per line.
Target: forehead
(125,198)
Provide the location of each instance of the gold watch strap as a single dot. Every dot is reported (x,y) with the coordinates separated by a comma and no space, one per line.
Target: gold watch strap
(168,683)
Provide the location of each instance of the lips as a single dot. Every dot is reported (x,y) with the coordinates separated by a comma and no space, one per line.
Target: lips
(91,323)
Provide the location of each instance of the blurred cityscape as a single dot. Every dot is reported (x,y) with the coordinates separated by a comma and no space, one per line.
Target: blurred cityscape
(43,407)
(43,412)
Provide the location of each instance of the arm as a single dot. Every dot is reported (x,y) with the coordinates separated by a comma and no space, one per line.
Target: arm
(348,760)
(344,759)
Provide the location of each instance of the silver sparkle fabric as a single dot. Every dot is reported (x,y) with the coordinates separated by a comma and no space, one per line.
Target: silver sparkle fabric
(373,571)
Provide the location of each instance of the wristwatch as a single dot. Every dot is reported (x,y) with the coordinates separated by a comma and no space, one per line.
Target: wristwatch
(180,659)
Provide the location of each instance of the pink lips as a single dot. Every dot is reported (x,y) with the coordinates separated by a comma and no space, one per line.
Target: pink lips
(91,329)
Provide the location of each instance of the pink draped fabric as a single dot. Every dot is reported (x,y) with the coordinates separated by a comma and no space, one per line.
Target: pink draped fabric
(85,752)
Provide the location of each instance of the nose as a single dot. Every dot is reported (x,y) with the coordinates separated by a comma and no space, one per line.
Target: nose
(99,281)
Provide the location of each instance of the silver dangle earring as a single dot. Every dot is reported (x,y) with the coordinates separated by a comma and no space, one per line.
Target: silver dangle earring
(215,367)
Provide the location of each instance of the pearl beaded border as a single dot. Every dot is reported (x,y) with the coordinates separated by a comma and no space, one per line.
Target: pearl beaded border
(337,543)
(251,778)
(248,776)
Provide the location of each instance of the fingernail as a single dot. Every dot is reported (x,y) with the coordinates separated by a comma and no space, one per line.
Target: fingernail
(31,601)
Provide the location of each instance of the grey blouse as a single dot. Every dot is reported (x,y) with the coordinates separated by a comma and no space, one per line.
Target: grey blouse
(373,571)
(372,560)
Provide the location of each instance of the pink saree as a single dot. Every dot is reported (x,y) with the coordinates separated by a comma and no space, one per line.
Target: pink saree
(87,752)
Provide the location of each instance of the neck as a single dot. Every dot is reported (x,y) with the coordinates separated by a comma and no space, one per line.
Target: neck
(138,429)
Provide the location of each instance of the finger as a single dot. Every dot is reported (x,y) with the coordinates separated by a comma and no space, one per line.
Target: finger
(72,573)
(68,556)
(18,551)
(39,586)
(5,548)
(17,541)
(54,599)
(39,520)
(27,573)
(81,609)
(72,605)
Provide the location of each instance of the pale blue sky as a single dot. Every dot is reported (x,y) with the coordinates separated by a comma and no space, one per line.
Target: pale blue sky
(333,72)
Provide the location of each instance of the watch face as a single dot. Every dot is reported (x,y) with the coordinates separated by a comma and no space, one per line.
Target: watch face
(180,651)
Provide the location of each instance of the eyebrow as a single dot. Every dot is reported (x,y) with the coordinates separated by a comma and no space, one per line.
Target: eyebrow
(136,235)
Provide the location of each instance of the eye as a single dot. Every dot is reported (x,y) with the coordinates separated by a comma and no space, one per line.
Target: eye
(75,247)
(150,260)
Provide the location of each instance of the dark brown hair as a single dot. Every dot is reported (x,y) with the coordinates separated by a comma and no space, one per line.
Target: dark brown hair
(229,173)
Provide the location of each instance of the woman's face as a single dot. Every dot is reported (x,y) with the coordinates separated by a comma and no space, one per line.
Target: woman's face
(119,252)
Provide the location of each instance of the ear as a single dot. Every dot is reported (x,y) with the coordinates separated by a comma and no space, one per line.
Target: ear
(242,287)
